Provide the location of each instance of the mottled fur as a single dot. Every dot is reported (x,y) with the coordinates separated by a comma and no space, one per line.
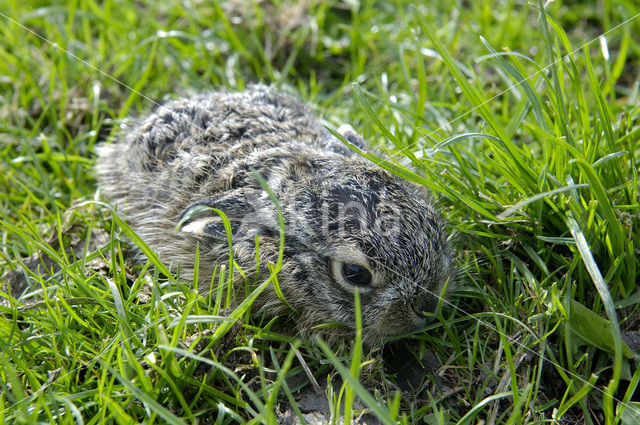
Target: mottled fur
(338,208)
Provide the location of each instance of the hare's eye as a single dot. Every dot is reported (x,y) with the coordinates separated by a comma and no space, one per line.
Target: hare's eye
(356,275)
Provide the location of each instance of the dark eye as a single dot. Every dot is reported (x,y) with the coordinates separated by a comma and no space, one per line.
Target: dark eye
(356,275)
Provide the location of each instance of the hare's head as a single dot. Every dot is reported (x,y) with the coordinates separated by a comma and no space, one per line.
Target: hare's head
(348,226)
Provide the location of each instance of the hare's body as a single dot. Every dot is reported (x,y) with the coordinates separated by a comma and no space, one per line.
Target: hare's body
(348,223)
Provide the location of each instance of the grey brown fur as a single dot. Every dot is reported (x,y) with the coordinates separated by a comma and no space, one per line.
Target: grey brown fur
(337,207)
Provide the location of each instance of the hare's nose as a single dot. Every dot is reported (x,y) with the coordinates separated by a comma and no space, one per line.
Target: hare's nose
(423,306)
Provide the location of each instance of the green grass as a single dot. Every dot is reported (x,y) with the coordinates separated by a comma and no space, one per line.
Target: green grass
(525,126)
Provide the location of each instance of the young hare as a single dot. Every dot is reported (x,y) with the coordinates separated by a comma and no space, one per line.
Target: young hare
(348,223)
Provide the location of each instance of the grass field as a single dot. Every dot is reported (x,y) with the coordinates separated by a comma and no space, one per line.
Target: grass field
(523,124)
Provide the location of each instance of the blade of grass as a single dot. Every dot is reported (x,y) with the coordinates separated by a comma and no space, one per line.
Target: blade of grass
(356,357)
(521,81)
(607,301)
(560,105)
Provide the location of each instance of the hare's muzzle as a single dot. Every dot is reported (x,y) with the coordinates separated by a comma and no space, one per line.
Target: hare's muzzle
(424,306)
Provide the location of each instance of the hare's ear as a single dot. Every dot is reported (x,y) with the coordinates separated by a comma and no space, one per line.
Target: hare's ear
(247,212)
